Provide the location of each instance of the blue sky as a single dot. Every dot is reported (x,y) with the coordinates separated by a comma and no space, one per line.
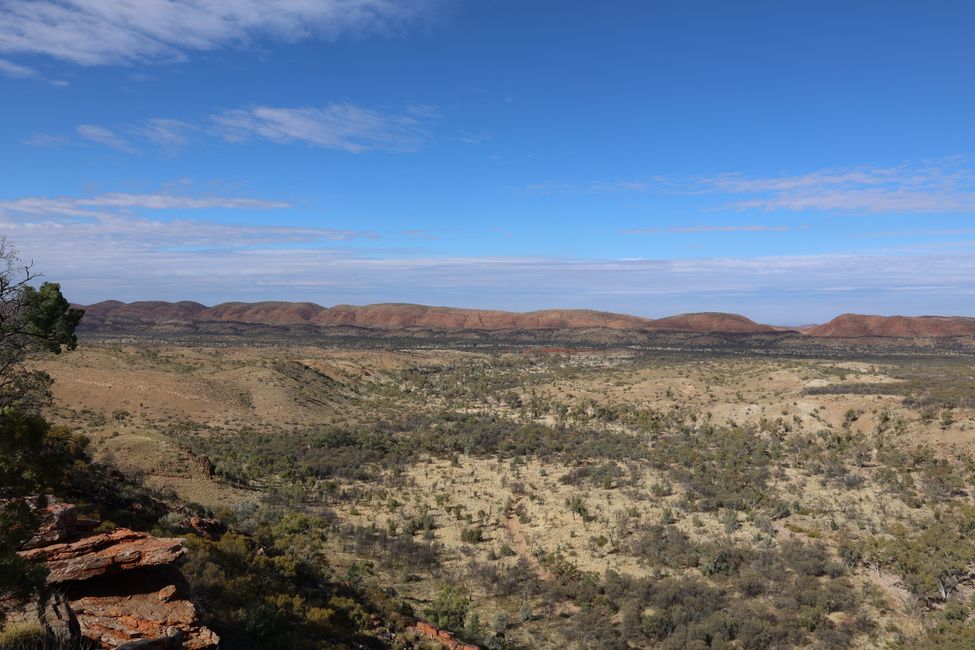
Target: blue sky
(788,161)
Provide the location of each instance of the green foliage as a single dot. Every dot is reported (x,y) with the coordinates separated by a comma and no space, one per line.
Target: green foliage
(29,463)
(666,546)
(273,589)
(720,468)
(449,609)
(358,453)
(472,535)
(726,595)
(47,318)
(23,636)
(32,320)
(934,562)
(951,630)
(606,475)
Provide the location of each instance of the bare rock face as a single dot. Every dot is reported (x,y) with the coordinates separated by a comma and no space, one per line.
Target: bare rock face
(142,620)
(117,590)
(106,554)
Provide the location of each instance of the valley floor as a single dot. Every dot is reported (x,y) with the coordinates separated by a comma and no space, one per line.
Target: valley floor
(575,498)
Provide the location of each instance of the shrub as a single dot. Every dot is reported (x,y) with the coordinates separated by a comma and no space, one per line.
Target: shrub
(449,609)
(472,535)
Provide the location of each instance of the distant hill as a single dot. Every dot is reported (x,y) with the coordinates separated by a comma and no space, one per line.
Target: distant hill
(859,326)
(711,322)
(405,316)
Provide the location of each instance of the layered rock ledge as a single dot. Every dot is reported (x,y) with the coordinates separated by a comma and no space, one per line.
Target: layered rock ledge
(106,554)
(118,590)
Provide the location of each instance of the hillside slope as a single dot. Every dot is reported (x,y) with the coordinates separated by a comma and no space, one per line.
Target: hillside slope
(859,326)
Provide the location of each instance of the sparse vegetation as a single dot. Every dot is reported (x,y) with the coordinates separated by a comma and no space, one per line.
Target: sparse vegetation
(531,500)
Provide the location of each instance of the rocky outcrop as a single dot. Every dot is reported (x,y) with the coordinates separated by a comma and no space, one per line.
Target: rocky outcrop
(105,554)
(210,529)
(444,638)
(119,589)
(142,620)
(60,522)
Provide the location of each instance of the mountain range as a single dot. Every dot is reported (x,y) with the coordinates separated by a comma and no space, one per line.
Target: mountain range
(395,316)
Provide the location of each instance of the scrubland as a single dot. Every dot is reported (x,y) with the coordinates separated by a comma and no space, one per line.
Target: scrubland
(530,498)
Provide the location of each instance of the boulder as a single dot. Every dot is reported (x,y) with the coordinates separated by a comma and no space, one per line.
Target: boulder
(117,590)
(211,529)
(59,523)
(105,554)
(155,620)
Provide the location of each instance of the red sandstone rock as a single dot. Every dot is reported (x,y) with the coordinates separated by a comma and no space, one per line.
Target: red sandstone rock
(444,638)
(152,620)
(137,610)
(105,554)
(210,529)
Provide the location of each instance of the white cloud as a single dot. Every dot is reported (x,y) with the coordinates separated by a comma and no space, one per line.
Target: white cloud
(931,186)
(78,228)
(335,126)
(596,187)
(706,229)
(94,32)
(45,140)
(177,202)
(65,206)
(127,246)
(167,132)
(15,70)
(105,136)
(340,125)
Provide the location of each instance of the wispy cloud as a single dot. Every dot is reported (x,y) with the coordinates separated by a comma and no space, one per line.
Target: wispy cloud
(45,140)
(168,133)
(705,229)
(776,289)
(595,187)
(32,207)
(139,246)
(926,232)
(339,125)
(418,233)
(15,70)
(933,186)
(94,32)
(473,137)
(342,126)
(137,223)
(103,135)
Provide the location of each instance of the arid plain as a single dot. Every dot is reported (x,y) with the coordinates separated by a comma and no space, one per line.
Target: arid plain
(538,482)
